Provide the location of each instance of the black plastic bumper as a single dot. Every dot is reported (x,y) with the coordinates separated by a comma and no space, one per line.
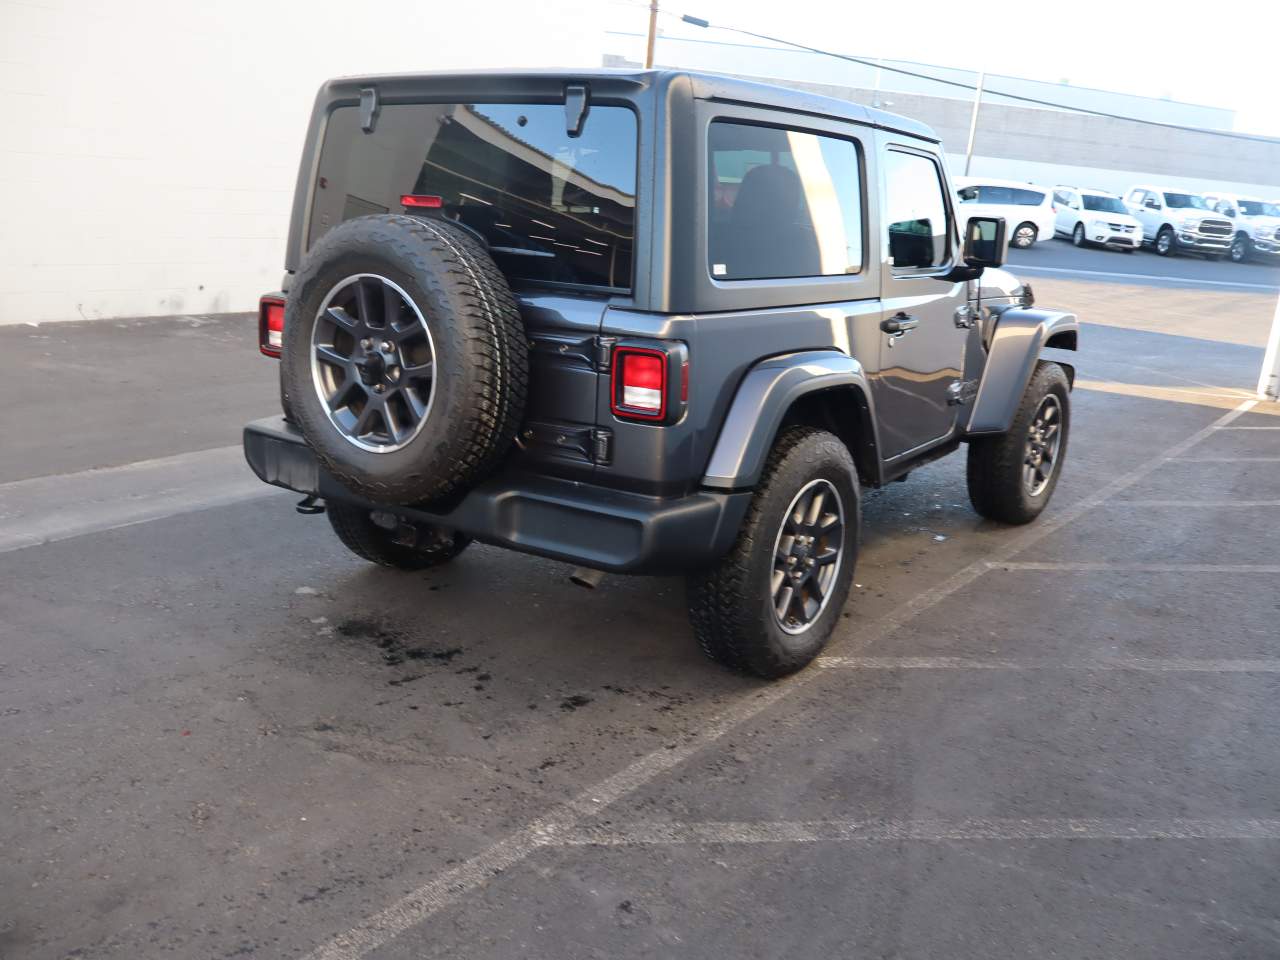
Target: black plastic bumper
(576,522)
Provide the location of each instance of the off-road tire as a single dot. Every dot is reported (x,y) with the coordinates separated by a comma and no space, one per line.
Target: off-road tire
(994,473)
(366,539)
(731,603)
(481,355)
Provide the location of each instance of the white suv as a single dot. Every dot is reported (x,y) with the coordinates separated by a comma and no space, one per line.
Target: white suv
(1026,208)
(1174,220)
(1092,216)
(1257,224)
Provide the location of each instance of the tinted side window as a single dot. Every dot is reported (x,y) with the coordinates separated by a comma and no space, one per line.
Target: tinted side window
(1027,198)
(915,211)
(783,204)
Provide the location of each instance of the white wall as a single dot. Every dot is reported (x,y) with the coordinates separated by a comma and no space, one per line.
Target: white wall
(150,146)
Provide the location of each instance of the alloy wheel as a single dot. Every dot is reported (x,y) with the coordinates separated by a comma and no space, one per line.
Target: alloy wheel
(1024,236)
(807,554)
(1044,438)
(373,363)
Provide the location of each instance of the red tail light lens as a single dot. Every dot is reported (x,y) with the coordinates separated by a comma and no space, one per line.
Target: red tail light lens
(271,324)
(639,384)
(421,200)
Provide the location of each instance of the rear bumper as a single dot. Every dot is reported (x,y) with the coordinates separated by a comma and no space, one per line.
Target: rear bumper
(575,522)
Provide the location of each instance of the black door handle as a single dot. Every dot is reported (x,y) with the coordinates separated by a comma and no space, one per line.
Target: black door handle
(899,324)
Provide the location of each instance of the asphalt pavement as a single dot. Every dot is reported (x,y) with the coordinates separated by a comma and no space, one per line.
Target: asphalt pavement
(226,737)
(1058,258)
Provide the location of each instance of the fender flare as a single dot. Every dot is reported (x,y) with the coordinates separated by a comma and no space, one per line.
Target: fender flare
(763,398)
(1020,334)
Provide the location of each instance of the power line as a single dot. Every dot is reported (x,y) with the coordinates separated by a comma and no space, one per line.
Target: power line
(700,22)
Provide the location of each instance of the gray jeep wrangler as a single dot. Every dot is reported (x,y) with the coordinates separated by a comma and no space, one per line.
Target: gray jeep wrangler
(645,322)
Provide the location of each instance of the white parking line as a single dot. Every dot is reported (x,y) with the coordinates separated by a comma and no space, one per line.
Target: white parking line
(1215,504)
(1138,664)
(1227,459)
(1065,271)
(929,830)
(415,907)
(47,509)
(1122,567)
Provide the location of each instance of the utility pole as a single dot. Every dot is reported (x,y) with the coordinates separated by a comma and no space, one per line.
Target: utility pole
(1269,380)
(653,34)
(973,121)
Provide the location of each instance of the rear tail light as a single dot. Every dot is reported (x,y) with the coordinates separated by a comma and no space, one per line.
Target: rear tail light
(271,324)
(639,383)
(421,201)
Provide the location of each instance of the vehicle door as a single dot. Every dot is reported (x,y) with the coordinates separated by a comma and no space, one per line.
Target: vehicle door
(922,345)
(1151,213)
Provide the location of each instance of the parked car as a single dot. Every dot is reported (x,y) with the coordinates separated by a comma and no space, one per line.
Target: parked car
(1026,208)
(1175,221)
(505,321)
(1095,217)
(1257,225)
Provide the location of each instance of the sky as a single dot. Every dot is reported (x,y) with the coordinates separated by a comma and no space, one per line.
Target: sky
(1140,47)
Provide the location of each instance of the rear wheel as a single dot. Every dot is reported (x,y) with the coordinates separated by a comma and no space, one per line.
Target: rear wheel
(1012,476)
(1024,236)
(381,538)
(1165,241)
(770,605)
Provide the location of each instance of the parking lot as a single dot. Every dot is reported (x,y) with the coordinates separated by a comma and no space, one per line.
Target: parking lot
(224,736)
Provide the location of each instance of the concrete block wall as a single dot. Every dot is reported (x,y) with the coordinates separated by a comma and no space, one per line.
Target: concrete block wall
(151,146)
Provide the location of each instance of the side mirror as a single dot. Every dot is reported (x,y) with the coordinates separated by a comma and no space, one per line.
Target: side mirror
(1230,212)
(1152,203)
(984,242)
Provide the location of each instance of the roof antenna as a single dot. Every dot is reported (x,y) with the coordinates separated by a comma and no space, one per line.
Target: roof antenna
(576,108)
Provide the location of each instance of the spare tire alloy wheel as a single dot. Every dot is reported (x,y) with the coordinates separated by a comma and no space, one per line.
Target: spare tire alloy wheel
(373,363)
(807,554)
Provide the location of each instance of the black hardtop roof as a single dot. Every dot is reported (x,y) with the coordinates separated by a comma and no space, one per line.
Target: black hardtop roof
(619,80)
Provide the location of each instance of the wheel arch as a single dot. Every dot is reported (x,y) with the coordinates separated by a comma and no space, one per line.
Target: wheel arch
(1020,335)
(821,388)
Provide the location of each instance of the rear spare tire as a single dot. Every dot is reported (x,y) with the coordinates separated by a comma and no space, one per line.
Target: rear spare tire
(405,363)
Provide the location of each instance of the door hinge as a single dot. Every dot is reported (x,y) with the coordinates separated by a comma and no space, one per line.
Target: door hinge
(604,352)
(602,446)
(960,392)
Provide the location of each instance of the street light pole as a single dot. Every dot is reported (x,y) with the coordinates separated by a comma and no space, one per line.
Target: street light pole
(653,34)
(973,121)
(1269,379)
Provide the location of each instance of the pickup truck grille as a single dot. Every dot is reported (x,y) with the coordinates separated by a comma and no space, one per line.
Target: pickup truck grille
(1215,228)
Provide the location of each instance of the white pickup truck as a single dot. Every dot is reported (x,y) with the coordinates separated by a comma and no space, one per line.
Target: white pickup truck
(1256,222)
(1174,221)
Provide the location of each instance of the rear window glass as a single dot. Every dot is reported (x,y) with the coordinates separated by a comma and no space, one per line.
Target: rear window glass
(1013,196)
(553,208)
(783,204)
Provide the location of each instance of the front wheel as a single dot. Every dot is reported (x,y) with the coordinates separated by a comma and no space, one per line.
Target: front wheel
(391,543)
(1164,241)
(1077,235)
(1012,476)
(1241,247)
(770,605)
(1024,236)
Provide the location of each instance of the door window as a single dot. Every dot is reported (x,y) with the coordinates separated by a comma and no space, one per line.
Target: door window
(916,211)
(783,203)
